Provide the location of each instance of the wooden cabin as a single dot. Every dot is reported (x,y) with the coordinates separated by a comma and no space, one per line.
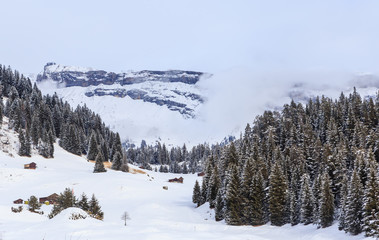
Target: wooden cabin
(52,199)
(31,165)
(176,180)
(18,201)
(201,174)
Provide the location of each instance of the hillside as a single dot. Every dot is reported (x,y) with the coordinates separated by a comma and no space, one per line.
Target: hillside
(155,213)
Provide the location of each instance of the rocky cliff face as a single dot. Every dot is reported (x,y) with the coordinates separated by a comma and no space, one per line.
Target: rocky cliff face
(84,77)
(174,89)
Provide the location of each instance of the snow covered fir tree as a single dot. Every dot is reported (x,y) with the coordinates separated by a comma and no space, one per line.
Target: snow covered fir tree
(312,164)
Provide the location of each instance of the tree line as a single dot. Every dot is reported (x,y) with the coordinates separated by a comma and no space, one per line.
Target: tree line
(174,160)
(312,164)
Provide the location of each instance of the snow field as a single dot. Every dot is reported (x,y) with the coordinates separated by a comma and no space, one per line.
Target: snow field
(155,213)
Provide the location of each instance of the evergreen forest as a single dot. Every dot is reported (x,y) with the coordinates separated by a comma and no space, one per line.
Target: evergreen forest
(41,120)
(312,164)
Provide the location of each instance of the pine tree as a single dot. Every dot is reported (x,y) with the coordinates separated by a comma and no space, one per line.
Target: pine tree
(93,149)
(307,201)
(36,128)
(339,171)
(203,191)
(99,163)
(43,148)
(233,199)
(326,213)
(116,146)
(246,191)
(220,207)
(33,204)
(316,189)
(208,174)
(343,210)
(50,139)
(232,157)
(27,143)
(66,199)
(294,209)
(277,196)
(294,198)
(73,141)
(258,199)
(361,167)
(15,115)
(45,145)
(117,161)
(213,187)
(95,209)
(354,213)
(55,211)
(24,149)
(196,196)
(371,205)
(83,202)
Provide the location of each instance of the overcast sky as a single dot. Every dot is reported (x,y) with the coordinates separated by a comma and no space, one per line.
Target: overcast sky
(211,36)
(254,49)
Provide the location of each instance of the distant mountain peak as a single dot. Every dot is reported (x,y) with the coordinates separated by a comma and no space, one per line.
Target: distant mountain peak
(174,89)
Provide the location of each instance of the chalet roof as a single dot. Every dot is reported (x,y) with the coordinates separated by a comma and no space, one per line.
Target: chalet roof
(54,195)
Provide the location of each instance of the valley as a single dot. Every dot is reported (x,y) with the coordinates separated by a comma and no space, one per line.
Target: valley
(154,213)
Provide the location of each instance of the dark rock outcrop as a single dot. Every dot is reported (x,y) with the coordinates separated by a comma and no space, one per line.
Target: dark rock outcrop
(137,94)
(72,77)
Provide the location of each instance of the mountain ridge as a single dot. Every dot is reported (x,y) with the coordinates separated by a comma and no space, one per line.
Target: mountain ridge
(79,76)
(175,89)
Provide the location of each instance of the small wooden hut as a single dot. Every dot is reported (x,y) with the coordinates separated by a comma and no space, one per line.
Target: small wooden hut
(176,180)
(31,165)
(18,201)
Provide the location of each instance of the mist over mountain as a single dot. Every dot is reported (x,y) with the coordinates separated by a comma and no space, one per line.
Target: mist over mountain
(189,107)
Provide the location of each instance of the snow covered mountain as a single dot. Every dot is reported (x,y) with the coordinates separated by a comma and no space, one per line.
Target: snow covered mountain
(145,105)
(174,89)
(366,85)
(177,107)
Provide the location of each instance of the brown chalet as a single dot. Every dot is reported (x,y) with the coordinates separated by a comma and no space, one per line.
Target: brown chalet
(31,165)
(18,201)
(52,199)
(201,174)
(177,180)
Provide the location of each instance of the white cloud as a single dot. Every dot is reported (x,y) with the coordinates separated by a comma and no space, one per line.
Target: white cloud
(255,49)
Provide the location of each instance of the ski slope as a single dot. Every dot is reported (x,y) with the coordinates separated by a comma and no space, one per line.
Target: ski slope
(155,213)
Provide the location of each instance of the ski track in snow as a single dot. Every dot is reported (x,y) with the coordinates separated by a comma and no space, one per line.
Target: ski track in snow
(155,213)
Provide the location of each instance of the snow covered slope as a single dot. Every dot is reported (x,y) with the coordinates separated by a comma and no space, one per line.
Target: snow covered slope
(155,213)
(146,105)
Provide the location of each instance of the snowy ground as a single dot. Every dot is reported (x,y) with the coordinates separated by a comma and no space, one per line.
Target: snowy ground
(155,213)
(137,120)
